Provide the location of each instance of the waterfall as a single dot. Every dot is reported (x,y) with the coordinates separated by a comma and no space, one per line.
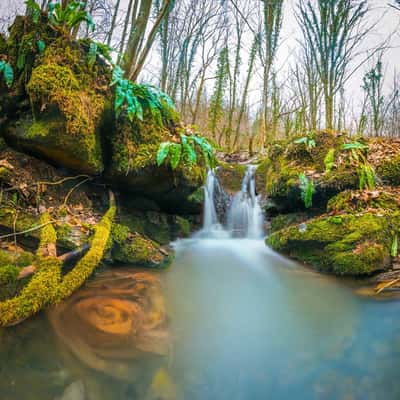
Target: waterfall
(244,217)
(210,219)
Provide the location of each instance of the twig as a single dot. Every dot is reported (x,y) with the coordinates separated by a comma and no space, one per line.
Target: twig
(31,269)
(387,285)
(72,189)
(35,228)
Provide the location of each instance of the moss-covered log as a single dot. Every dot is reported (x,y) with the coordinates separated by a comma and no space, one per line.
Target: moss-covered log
(48,286)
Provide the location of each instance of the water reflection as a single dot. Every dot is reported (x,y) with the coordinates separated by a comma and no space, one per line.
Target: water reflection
(229,320)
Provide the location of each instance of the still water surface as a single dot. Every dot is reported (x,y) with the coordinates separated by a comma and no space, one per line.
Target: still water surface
(244,323)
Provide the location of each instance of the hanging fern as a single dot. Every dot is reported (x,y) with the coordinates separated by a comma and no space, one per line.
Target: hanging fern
(186,151)
(33,10)
(7,71)
(307,189)
(366,172)
(64,19)
(135,98)
(329,160)
(308,140)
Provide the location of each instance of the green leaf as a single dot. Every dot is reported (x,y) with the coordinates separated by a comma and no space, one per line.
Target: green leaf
(302,140)
(118,75)
(8,73)
(21,60)
(139,108)
(395,246)
(41,46)
(33,10)
(175,154)
(354,146)
(329,160)
(311,143)
(370,175)
(307,189)
(163,151)
(92,53)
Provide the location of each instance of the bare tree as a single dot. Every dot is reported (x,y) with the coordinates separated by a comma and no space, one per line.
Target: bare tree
(143,34)
(272,23)
(333,30)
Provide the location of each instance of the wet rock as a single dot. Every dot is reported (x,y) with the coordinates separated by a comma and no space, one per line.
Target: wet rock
(133,248)
(134,168)
(344,244)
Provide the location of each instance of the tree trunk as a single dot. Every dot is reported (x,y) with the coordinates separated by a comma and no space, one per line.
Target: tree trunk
(112,27)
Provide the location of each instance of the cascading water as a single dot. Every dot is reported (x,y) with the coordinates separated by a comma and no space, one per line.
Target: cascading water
(244,217)
(210,219)
(245,214)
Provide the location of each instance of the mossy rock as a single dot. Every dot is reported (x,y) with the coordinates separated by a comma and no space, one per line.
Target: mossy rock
(133,248)
(344,244)
(351,201)
(282,221)
(70,109)
(389,171)
(160,227)
(231,176)
(286,159)
(134,168)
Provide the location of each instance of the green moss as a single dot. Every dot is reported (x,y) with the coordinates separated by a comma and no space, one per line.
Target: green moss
(84,268)
(133,248)
(351,245)
(23,221)
(47,286)
(8,274)
(357,201)
(41,289)
(389,171)
(284,220)
(70,104)
(231,176)
(184,226)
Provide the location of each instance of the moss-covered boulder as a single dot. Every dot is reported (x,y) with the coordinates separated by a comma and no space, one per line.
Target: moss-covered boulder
(230,176)
(133,248)
(158,226)
(384,199)
(286,159)
(70,103)
(134,166)
(344,244)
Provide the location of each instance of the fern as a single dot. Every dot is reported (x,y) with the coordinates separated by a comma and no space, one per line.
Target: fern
(329,160)
(41,46)
(307,189)
(366,173)
(92,54)
(8,73)
(186,151)
(72,15)
(308,140)
(33,10)
(136,98)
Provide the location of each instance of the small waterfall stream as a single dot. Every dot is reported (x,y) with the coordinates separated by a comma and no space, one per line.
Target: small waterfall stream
(244,215)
